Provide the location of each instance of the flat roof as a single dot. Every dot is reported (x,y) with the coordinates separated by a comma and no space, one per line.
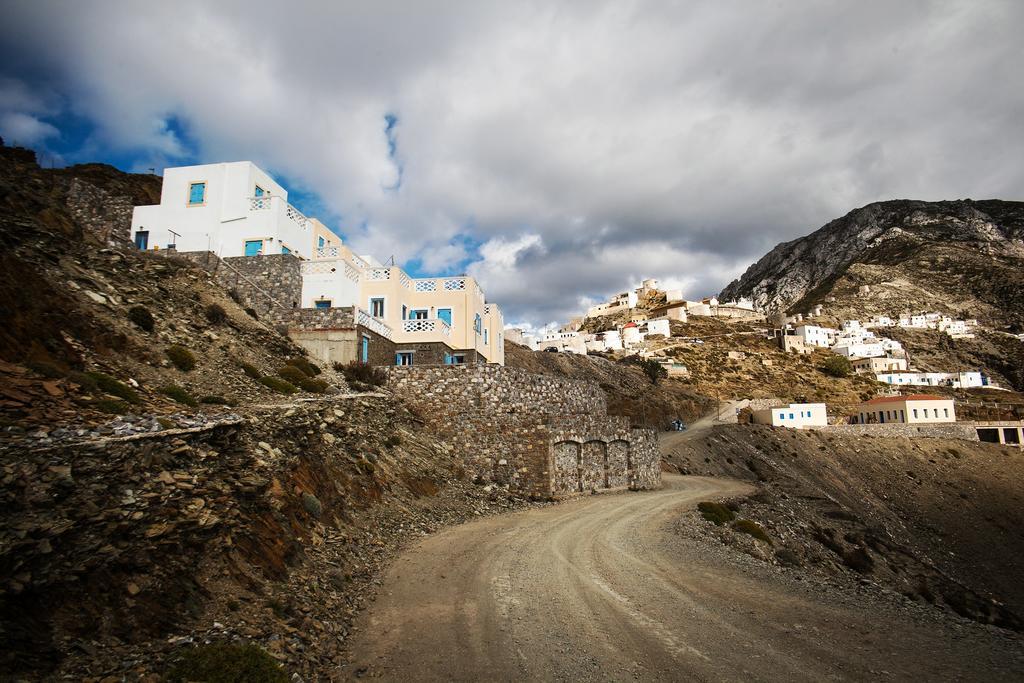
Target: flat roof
(908,397)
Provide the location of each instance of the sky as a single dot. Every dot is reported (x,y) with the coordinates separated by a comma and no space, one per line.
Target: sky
(559,152)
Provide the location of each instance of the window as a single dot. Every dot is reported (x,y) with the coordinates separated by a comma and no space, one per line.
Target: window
(364,349)
(259,191)
(445,314)
(196,194)
(419,314)
(485,335)
(285,250)
(946,411)
(478,324)
(253,247)
(142,239)
(782,416)
(915,413)
(403,358)
(320,242)
(458,359)
(377,307)
(323,303)
(791,416)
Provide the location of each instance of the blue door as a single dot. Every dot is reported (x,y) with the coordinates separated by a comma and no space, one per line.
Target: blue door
(142,240)
(445,314)
(253,247)
(322,304)
(364,351)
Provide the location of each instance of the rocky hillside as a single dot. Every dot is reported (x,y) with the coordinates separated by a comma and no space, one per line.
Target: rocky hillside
(937,521)
(959,257)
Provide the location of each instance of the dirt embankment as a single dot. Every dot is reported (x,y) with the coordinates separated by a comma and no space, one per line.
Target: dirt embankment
(936,520)
(627,389)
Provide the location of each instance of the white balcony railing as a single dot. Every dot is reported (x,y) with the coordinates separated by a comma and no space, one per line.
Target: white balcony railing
(326,252)
(260,203)
(378,274)
(373,324)
(427,327)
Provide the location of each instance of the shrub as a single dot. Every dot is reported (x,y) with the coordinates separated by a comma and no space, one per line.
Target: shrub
(277,384)
(178,394)
(142,318)
(46,369)
(751,528)
(235,295)
(98,381)
(217,401)
(305,365)
(715,512)
(312,505)
(250,370)
(292,374)
(393,440)
(226,663)
(362,372)
(110,405)
(836,366)
(252,313)
(216,314)
(313,386)
(181,357)
(654,370)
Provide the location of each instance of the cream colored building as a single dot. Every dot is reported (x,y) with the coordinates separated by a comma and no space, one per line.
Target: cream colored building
(871,366)
(794,416)
(908,409)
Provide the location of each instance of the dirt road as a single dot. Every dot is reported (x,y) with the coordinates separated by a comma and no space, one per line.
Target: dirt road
(607,588)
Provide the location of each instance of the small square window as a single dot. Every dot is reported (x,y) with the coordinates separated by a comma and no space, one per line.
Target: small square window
(196,194)
(377,307)
(320,242)
(323,303)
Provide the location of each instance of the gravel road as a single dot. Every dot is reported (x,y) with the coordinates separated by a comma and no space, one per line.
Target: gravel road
(612,587)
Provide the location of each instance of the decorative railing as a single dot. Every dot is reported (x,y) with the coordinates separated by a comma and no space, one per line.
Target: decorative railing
(457,284)
(260,203)
(429,325)
(326,252)
(360,263)
(403,279)
(317,267)
(373,324)
(378,274)
(295,215)
(425,285)
(351,272)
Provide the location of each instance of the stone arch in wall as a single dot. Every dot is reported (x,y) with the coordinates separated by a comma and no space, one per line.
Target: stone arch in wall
(616,472)
(592,464)
(567,455)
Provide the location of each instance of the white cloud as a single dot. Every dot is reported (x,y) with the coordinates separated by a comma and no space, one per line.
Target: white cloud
(669,140)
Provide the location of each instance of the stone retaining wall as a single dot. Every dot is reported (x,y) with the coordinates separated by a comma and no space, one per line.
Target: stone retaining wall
(545,436)
(964,432)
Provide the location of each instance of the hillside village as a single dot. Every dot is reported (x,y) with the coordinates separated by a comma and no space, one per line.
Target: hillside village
(234,409)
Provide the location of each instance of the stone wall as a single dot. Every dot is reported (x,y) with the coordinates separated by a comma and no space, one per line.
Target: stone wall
(342,318)
(545,436)
(965,432)
(105,216)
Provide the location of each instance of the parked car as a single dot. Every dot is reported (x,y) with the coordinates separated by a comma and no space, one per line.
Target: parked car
(552,349)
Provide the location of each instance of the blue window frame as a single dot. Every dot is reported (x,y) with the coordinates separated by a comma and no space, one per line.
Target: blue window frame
(142,240)
(259,191)
(196,193)
(322,303)
(445,314)
(477,323)
(253,247)
(320,242)
(285,250)
(791,416)
(377,307)
(418,314)
(403,358)
(782,416)
(364,349)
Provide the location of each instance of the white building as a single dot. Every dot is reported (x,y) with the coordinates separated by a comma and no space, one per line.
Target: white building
(859,349)
(813,335)
(795,415)
(909,409)
(619,302)
(231,209)
(871,366)
(658,326)
(956,380)
(631,335)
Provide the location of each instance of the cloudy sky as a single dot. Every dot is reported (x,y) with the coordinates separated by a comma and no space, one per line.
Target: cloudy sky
(560,152)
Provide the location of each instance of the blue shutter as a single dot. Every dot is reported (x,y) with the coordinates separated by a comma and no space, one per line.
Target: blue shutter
(197,193)
(252,247)
(445,314)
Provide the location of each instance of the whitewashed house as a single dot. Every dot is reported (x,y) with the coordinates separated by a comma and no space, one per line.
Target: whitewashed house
(813,335)
(956,380)
(908,409)
(795,416)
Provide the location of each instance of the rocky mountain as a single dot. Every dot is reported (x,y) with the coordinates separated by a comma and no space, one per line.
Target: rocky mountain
(962,257)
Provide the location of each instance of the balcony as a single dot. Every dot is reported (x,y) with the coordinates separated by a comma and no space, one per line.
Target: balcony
(373,324)
(424,330)
(269,202)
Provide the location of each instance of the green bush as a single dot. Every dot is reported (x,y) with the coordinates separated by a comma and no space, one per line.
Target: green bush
(46,369)
(142,318)
(363,373)
(715,512)
(225,663)
(181,357)
(216,314)
(98,381)
(305,365)
(312,505)
(176,393)
(751,528)
(313,386)
(251,370)
(654,370)
(292,374)
(836,366)
(110,405)
(279,385)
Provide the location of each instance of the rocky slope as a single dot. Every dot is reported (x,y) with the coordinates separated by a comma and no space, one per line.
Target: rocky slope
(959,257)
(937,521)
